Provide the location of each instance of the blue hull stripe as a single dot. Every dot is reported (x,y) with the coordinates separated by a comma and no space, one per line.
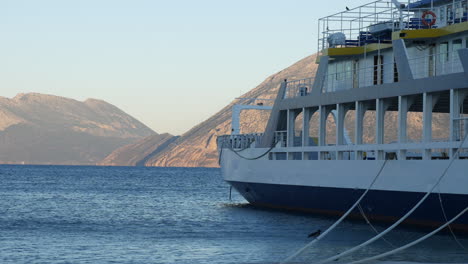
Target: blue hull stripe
(377,205)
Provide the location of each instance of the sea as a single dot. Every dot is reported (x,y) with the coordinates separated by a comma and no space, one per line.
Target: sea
(81,214)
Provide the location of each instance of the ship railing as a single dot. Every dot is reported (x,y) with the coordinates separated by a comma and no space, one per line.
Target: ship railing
(354,24)
(436,64)
(374,22)
(356,76)
(297,88)
(437,150)
(281,138)
(241,141)
(460,128)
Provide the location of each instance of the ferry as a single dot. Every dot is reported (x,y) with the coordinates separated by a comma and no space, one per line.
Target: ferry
(379,59)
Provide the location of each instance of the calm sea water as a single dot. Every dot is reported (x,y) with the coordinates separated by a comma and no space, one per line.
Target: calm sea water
(62,214)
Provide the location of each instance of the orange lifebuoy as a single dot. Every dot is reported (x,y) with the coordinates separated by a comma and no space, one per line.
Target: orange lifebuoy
(433,20)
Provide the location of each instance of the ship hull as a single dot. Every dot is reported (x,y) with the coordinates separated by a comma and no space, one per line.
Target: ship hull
(382,206)
(332,187)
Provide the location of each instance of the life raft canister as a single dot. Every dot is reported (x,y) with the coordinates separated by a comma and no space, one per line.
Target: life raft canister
(433,19)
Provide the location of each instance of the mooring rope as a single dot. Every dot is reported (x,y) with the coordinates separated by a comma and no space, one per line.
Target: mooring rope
(322,235)
(255,158)
(391,252)
(351,250)
(449,227)
(243,157)
(232,149)
(372,226)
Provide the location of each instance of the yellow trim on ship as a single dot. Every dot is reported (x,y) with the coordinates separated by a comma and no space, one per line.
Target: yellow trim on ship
(355,50)
(403,34)
(430,33)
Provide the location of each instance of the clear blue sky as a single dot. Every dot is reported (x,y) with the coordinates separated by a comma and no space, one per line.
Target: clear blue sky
(170,64)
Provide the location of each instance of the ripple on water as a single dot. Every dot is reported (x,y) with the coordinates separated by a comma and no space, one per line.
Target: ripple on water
(61,214)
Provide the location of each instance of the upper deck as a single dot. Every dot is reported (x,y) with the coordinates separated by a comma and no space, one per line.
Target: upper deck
(359,45)
(383,57)
(375,22)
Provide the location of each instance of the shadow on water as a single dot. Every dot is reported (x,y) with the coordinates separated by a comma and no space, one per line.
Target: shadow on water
(237,205)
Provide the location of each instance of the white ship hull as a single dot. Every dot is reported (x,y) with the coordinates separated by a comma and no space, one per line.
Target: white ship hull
(332,186)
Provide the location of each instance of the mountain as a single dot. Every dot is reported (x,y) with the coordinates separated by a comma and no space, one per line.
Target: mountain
(136,154)
(45,129)
(197,147)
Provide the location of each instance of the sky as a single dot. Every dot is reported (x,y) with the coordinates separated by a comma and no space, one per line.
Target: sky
(170,64)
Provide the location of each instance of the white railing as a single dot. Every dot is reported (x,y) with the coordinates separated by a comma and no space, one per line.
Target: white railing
(376,21)
(435,65)
(460,127)
(355,23)
(439,150)
(421,67)
(281,138)
(360,77)
(297,88)
(238,141)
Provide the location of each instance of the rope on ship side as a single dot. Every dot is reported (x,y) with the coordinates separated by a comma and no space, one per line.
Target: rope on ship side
(240,150)
(233,150)
(255,158)
(351,250)
(449,227)
(391,252)
(322,235)
(372,226)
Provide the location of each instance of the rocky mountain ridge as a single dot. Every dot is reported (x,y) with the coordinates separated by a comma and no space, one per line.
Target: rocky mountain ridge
(197,147)
(46,129)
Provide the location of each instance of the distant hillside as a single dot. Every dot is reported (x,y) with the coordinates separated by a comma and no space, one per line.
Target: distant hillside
(137,154)
(46,129)
(197,147)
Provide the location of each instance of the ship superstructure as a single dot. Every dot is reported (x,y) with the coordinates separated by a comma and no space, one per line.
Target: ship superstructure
(377,60)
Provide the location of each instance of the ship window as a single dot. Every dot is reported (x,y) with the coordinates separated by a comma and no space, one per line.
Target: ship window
(339,70)
(449,14)
(442,14)
(431,62)
(378,69)
(332,70)
(395,71)
(355,73)
(348,69)
(443,50)
(458,11)
(456,44)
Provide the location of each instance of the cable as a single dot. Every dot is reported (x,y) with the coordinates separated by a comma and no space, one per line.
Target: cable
(373,228)
(446,220)
(233,150)
(300,251)
(262,155)
(391,252)
(351,250)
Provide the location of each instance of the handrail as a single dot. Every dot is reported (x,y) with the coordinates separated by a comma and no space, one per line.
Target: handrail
(300,87)
(362,19)
(241,141)
(365,76)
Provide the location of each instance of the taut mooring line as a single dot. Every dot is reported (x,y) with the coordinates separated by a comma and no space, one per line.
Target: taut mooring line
(351,250)
(300,251)
(396,250)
